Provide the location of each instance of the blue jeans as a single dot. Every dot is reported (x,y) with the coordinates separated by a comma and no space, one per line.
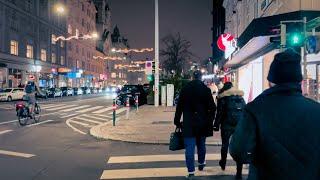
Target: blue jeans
(190,144)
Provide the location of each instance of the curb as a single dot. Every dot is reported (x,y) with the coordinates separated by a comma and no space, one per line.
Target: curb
(94,131)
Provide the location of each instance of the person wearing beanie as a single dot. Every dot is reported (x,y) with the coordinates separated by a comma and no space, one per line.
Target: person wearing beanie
(279,133)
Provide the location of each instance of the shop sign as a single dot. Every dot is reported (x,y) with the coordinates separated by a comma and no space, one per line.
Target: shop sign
(227,43)
(64,70)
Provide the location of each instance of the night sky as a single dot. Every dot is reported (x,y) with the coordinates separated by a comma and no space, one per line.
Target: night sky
(192,18)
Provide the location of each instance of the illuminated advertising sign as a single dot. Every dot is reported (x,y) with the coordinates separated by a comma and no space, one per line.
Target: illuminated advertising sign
(227,43)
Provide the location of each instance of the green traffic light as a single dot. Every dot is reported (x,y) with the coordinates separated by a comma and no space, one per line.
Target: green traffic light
(296,39)
(149,78)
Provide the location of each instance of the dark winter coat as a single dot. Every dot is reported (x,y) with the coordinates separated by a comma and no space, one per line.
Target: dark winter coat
(224,117)
(280,135)
(198,109)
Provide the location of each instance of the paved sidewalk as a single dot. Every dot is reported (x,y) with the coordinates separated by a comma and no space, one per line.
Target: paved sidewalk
(150,125)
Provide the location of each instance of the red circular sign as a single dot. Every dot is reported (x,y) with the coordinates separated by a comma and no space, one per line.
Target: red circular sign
(223,40)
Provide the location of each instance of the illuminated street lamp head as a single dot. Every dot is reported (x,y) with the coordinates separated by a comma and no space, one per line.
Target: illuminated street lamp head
(60,9)
(94,35)
(113,49)
(124,58)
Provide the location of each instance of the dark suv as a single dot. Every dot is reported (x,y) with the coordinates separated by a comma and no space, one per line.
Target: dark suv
(130,91)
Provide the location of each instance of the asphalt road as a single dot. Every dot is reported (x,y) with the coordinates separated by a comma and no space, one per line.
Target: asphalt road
(61,148)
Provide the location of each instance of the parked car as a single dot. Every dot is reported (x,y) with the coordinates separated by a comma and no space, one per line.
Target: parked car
(94,90)
(66,91)
(55,92)
(77,91)
(43,93)
(86,90)
(10,94)
(131,91)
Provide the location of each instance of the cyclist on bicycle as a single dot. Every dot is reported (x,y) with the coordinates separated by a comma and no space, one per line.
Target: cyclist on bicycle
(31,90)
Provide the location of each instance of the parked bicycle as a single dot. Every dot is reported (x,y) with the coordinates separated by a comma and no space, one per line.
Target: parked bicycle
(24,115)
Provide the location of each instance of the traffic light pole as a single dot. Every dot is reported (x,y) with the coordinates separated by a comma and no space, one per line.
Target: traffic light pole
(156,57)
(304,60)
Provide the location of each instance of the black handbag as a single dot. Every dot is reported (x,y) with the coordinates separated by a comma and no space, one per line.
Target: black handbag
(176,140)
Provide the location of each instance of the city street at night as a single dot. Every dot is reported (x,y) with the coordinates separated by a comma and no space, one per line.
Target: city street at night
(159,89)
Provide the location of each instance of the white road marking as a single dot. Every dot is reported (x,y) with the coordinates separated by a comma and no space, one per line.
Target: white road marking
(93,117)
(118,111)
(61,107)
(50,106)
(17,154)
(88,120)
(165,172)
(102,115)
(103,110)
(69,115)
(159,158)
(72,127)
(8,122)
(90,109)
(80,123)
(36,124)
(75,108)
(5,131)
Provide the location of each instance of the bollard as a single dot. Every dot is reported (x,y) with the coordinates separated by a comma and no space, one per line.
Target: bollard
(128,107)
(137,103)
(114,108)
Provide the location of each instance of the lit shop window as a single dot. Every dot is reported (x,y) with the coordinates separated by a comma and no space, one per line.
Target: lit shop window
(53,39)
(113,75)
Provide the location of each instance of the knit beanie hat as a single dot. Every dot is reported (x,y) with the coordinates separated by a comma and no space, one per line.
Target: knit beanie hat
(285,68)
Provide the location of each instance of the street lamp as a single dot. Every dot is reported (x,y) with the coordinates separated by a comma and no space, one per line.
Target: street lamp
(60,8)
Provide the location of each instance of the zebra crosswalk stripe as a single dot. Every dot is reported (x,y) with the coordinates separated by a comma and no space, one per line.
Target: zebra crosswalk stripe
(88,120)
(102,110)
(163,172)
(61,107)
(159,158)
(80,123)
(118,111)
(166,172)
(50,106)
(75,108)
(94,117)
(89,109)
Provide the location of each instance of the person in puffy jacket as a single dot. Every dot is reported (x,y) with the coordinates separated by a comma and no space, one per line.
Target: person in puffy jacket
(229,112)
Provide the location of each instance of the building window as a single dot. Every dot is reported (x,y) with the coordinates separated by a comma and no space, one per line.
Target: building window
(82,22)
(77,32)
(53,58)
(78,64)
(113,75)
(53,39)
(69,29)
(83,65)
(14,47)
(29,5)
(62,44)
(29,51)
(82,5)
(43,55)
(120,75)
(70,47)
(77,49)
(62,60)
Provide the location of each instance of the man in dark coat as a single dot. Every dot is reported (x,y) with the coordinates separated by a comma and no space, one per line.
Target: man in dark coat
(198,109)
(280,132)
(229,112)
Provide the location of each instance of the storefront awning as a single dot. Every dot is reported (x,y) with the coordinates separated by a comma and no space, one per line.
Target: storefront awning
(255,47)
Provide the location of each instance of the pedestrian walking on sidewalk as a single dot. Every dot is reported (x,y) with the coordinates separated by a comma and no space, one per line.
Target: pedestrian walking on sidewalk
(198,109)
(229,113)
(279,134)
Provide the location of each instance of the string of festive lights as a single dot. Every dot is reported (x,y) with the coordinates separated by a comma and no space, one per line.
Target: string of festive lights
(136,70)
(113,58)
(77,36)
(125,50)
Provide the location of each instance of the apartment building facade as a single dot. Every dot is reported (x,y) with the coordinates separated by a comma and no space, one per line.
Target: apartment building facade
(26,43)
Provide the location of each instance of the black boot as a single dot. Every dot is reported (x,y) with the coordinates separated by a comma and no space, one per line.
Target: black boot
(222,164)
